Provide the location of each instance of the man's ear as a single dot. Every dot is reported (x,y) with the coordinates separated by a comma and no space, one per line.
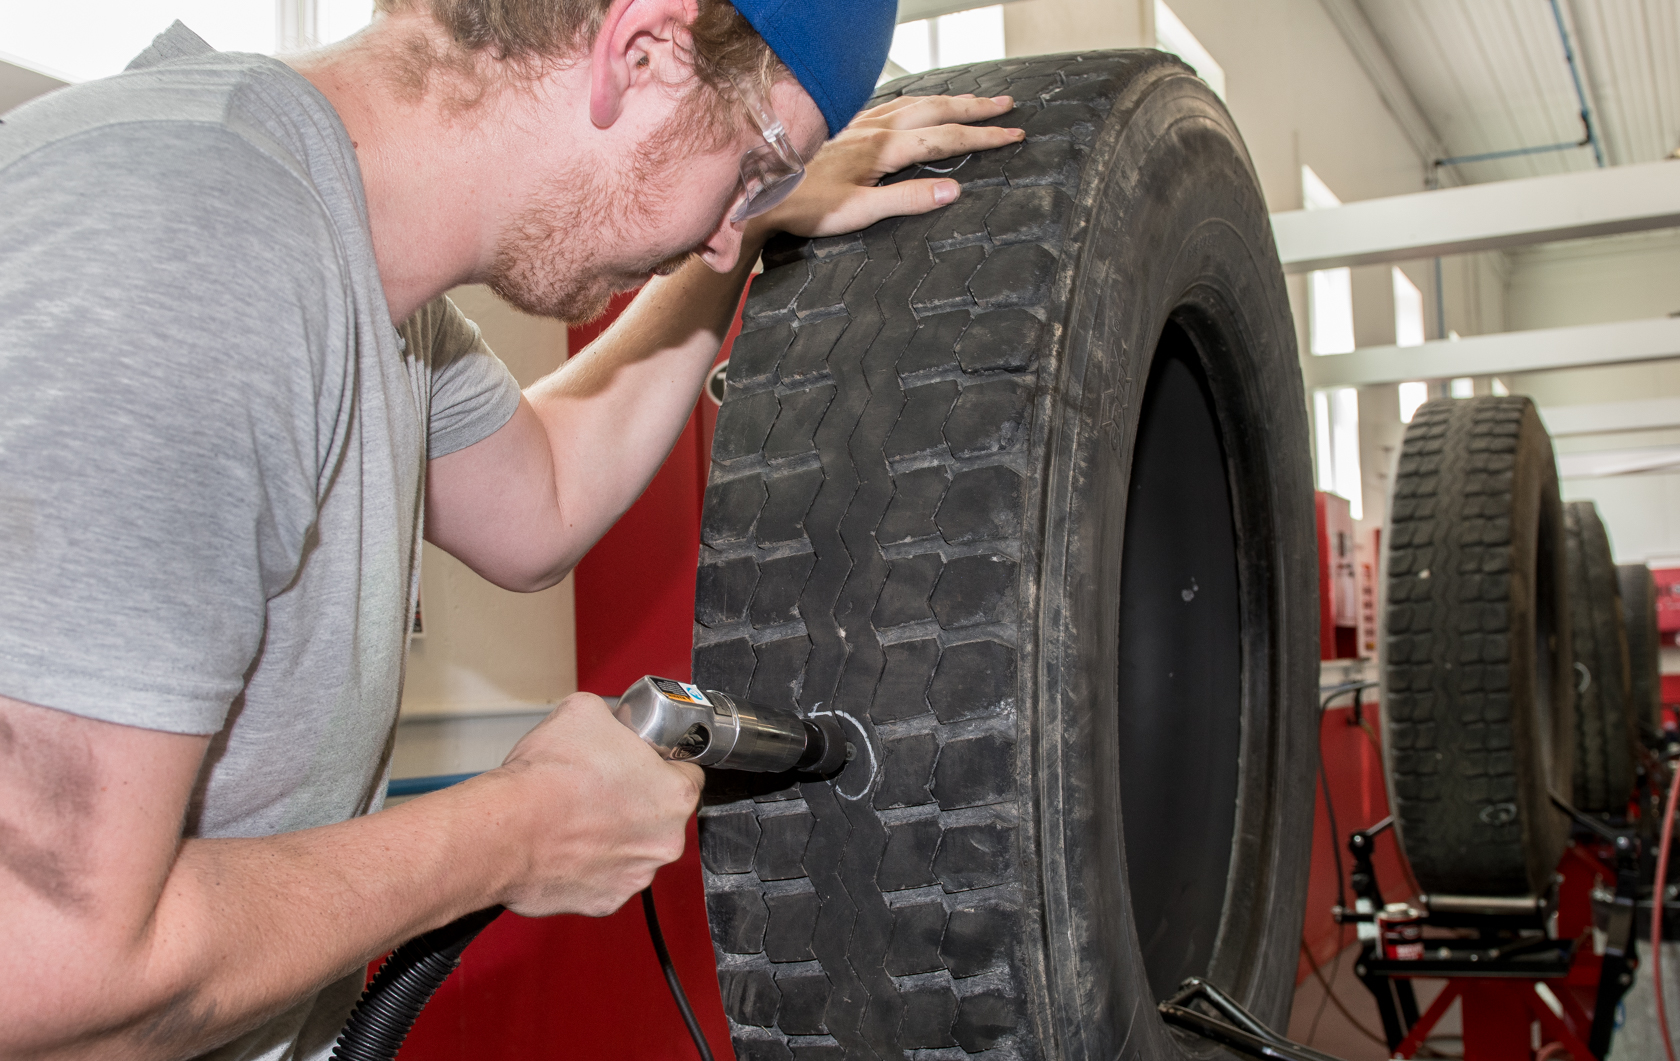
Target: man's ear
(634,36)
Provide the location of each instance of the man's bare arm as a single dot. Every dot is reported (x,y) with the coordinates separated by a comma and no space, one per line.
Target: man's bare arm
(140,945)
(522,506)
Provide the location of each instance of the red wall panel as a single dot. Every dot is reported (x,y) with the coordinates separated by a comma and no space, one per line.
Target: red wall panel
(576,987)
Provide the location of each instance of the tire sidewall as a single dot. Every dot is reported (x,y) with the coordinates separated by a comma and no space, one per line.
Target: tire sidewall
(1180,199)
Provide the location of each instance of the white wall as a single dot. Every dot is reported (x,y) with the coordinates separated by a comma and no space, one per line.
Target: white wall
(1595,281)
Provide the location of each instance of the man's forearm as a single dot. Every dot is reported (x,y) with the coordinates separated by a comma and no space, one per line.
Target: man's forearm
(614,410)
(245,928)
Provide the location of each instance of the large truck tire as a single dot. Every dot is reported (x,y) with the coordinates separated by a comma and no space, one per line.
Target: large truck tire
(1639,618)
(1606,733)
(1478,705)
(1020,490)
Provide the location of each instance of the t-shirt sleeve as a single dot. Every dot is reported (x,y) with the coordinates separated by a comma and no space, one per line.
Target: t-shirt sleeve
(160,456)
(473,393)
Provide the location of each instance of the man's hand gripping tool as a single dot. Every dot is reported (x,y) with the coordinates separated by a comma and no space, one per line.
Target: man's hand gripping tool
(724,732)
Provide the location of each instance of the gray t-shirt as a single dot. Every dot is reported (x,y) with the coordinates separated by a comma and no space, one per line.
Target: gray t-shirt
(213,441)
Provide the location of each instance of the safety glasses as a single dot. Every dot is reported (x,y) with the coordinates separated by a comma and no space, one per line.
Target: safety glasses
(772,170)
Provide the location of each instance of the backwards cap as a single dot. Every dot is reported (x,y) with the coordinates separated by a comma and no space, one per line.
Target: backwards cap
(836,48)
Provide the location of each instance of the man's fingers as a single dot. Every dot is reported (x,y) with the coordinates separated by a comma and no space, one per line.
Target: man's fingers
(907,197)
(942,110)
(908,147)
(694,775)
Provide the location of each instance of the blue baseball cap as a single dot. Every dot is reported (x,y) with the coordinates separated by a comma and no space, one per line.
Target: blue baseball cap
(836,48)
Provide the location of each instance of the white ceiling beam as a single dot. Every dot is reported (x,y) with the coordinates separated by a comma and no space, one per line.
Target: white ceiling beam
(911,10)
(1603,418)
(1480,217)
(1390,84)
(1499,355)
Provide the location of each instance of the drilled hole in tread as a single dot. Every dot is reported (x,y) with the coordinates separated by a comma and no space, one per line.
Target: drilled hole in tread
(1180,694)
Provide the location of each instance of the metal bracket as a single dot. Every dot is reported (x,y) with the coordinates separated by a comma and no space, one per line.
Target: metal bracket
(1234,1027)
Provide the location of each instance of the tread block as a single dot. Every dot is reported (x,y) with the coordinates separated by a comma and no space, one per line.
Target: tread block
(981,505)
(985,168)
(731,507)
(984,1018)
(907,861)
(782,846)
(801,412)
(828,284)
(1028,215)
(787,500)
(808,356)
(972,856)
(723,662)
(919,426)
(776,597)
(965,219)
(723,591)
(818,1052)
(750,996)
(777,673)
(974,590)
(743,425)
(1016,275)
(775,291)
(903,689)
(916,496)
(946,285)
(728,842)
(935,336)
(737,917)
(804,1008)
(792,921)
(975,771)
(916,934)
(929,1012)
(1005,339)
(1072,121)
(762,1050)
(906,768)
(988,417)
(976,937)
(753,356)
(1044,162)
(904,598)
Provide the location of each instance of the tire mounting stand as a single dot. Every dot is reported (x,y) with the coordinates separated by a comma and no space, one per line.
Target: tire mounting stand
(1501,975)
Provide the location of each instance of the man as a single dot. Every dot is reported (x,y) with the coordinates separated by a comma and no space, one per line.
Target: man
(214,437)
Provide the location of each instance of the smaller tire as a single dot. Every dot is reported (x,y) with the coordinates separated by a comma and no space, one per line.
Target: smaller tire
(1639,618)
(1477,706)
(1606,760)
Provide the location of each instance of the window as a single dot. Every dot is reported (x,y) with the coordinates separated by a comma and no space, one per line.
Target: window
(1336,434)
(1329,291)
(1412,395)
(1408,311)
(1172,35)
(97,38)
(1462,387)
(971,36)
(338,19)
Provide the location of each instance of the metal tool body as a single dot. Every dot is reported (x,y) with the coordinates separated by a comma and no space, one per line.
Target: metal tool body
(714,729)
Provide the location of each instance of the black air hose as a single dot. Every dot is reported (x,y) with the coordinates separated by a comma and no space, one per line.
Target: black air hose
(404,984)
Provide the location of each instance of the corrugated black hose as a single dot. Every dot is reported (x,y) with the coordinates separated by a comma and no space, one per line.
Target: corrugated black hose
(414,971)
(402,987)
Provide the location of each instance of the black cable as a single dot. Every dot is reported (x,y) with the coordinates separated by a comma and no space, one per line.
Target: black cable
(671,980)
(402,987)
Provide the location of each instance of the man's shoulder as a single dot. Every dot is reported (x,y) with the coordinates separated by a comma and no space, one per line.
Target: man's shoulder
(246,104)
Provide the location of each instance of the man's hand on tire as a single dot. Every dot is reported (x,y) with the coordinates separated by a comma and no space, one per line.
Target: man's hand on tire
(601,811)
(842,191)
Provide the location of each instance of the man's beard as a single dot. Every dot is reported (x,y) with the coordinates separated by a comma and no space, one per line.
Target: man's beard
(554,260)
